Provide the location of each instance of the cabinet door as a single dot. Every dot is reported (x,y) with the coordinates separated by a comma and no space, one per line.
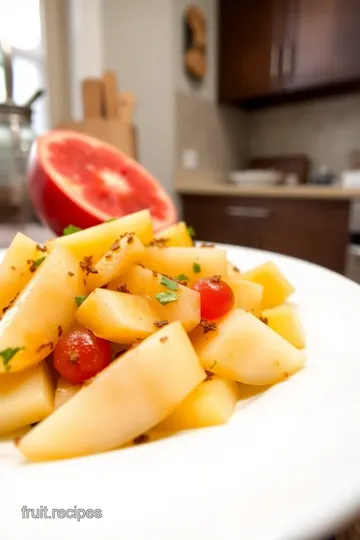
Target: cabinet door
(250,37)
(321,45)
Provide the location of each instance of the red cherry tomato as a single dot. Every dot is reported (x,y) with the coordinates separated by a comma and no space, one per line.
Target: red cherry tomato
(79,355)
(216,298)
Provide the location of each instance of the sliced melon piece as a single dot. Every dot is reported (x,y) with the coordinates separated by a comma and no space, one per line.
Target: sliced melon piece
(285,321)
(17,268)
(64,391)
(195,263)
(142,281)
(247,295)
(122,254)
(244,349)
(175,236)
(276,286)
(128,398)
(46,307)
(25,397)
(210,404)
(115,316)
(95,241)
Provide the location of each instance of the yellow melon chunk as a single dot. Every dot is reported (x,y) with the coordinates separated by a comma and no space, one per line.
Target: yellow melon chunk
(210,404)
(128,398)
(285,321)
(195,263)
(276,287)
(25,397)
(175,236)
(64,391)
(247,295)
(142,281)
(95,241)
(123,253)
(116,316)
(246,350)
(16,269)
(44,309)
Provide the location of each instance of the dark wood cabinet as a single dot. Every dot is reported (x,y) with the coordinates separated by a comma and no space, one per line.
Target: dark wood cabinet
(311,229)
(280,48)
(322,42)
(249,50)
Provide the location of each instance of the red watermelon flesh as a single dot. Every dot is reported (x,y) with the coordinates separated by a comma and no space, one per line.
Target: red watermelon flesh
(79,180)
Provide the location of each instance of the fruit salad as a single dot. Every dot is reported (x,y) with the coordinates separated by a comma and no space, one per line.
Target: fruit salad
(114,336)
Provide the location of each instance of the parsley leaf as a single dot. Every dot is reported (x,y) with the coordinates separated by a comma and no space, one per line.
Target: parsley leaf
(37,263)
(191,231)
(79,300)
(7,355)
(71,229)
(169,283)
(182,277)
(166,297)
(110,219)
(196,268)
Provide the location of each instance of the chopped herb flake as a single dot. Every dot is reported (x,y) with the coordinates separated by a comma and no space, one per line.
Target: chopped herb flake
(182,277)
(196,268)
(191,231)
(7,355)
(213,365)
(71,229)
(38,262)
(111,219)
(79,300)
(169,283)
(71,274)
(166,297)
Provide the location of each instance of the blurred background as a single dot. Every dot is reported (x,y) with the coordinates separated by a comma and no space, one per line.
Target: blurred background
(248,112)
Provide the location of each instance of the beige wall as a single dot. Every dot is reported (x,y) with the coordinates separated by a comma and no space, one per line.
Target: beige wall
(326,129)
(138,44)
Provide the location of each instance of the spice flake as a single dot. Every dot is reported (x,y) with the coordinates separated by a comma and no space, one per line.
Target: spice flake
(160,324)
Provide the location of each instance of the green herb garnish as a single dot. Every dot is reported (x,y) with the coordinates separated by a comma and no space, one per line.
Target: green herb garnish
(37,263)
(166,297)
(79,300)
(213,365)
(182,277)
(169,283)
(71,229)
(111,219)
(7,355)
(191,231)
(196,268)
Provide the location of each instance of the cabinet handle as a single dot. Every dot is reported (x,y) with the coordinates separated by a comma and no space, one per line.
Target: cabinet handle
(248,211)
(287,59)
(274,61)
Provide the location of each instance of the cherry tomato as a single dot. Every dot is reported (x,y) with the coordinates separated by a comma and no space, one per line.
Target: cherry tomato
(216,298)
(79,355)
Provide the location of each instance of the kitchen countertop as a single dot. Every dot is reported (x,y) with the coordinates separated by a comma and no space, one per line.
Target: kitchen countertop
(214,183)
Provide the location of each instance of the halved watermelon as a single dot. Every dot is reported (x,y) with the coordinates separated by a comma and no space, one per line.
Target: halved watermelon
(79,180)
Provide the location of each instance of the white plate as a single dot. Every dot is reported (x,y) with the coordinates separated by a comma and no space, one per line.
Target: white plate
(286,467)
(253,177)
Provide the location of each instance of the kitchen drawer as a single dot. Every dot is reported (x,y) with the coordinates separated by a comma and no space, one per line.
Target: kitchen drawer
(314,230)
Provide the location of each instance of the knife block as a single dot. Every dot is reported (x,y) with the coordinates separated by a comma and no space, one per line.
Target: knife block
(110,130)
